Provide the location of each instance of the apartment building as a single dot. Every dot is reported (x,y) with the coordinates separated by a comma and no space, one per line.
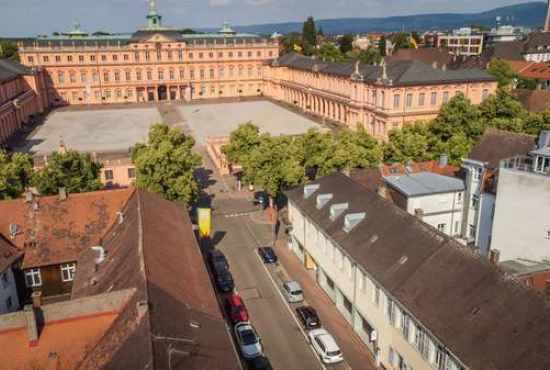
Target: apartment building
(459,42)
(418,299)
(380,98)
(10,257)
(155,63)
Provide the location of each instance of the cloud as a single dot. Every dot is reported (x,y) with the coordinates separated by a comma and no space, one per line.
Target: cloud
(216,3)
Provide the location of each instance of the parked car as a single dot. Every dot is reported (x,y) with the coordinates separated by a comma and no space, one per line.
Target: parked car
(236,309)
(308,316)
(259,363)
(293,292)
(248,340)
(217,261)
(224,281)
(267,254)
(325,346)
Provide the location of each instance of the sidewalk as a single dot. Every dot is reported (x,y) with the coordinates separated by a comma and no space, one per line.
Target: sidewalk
(355,352)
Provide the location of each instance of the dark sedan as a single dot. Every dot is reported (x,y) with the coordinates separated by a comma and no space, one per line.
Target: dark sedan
(259,363)
(224,281)
(309,317)
(267,254)
(217,261)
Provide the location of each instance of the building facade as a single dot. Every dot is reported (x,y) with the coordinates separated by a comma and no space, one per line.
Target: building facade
(9,260)
(155,63)
(381,98)
(460,42)
(21,96)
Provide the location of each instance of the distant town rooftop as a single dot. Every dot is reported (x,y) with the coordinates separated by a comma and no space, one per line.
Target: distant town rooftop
(522,266)
(423,183)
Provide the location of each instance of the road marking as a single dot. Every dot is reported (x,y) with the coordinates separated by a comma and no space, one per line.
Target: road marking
(282,297)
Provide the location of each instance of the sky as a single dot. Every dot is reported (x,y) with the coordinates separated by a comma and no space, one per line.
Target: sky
(42,17)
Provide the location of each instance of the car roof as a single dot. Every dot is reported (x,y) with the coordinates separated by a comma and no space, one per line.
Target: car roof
(293,285)
(244,326)
(216,252)
(307,309)
(328,341)
(235,298)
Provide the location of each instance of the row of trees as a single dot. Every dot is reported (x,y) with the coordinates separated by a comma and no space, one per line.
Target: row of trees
(9,50)
(164,165)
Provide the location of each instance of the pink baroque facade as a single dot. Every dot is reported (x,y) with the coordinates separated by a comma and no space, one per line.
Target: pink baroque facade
(380,98)
(21,96)
(155,63)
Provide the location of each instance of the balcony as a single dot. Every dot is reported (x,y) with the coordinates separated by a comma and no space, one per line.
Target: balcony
(536,165)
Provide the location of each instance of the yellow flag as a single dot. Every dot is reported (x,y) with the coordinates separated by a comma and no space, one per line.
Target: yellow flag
(297,48)
(204,216)
(414,43)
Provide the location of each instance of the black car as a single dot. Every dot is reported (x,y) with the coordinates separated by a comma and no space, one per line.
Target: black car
(224,281)
(217,261)
(309,317)
(267,254)
(259,363)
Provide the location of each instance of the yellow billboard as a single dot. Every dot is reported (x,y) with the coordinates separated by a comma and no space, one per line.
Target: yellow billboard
(204,216)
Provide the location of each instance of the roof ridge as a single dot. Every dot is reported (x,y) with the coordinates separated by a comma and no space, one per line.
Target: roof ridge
(508,133)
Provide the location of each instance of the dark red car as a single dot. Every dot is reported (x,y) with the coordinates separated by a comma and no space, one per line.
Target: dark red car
(236,309)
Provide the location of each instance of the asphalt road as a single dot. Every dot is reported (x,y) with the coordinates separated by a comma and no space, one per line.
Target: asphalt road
(282,339)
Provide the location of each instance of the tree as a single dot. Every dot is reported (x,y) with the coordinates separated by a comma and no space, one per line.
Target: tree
(290,40)
(9,50)
(77,173)
(15,170)
(329,53)
(400,40)
(313,148)
(320,31)
(412,143)
(457,115)
(382,46)
(368,56)
(457,147)
(274,165)
(503,72)
(353,150)
(165,164)
(241,142)
(535,123)
(346,44)
(309,37)
(503,111)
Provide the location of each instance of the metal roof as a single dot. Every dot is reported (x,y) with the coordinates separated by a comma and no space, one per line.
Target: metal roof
(542,151)
(424,183)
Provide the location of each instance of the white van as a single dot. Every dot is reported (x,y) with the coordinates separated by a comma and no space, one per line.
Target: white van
(325,346)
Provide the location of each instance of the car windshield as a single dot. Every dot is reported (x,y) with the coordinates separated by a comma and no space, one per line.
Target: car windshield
(249,337)
(297,292)
(333,353)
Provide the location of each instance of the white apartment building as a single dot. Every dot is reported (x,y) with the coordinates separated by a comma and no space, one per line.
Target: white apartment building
(9,300)
(435,199)
(417,298)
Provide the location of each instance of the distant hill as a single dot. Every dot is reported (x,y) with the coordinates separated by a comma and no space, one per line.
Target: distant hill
(526,14)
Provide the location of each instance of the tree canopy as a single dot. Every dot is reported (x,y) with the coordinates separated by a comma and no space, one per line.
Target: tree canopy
(503,72)
(15,171)
(368,56)
(165,164)
(9,50)
(76,172)
(329,53)
(241,142)
(309,36)
(346,44)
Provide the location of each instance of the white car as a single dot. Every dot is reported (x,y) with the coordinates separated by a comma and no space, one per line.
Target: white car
(293,292)
(325,346)
(248,340)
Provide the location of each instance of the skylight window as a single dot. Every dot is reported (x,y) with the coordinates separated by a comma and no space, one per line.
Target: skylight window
(323,199)
(310,189)
(351,220)
(337,209)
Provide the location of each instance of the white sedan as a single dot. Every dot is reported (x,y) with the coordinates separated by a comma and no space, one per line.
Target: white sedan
(248,340)
(325,346)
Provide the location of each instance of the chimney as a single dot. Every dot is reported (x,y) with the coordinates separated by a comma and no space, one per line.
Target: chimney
(419,213)
(494,257)
(547,287)
(443,160)
(142,307)
(62,193)
(62,147)
(29,196)
(381,191)
(32,325)
(36,299)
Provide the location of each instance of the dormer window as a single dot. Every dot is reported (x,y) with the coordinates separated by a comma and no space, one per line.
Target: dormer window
(337,209)
(310,189)
(323,199)
(352,219)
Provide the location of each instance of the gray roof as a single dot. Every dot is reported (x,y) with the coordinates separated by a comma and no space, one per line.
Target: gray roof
(486,319)
(522,266)
(10,70)
(400,72)
(424,183)
(543,151)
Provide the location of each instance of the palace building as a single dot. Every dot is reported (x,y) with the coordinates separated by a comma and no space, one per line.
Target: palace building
(155,63)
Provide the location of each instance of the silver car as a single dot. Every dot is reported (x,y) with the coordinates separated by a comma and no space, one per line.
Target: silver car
(325,346)
(248,340)
(293,292)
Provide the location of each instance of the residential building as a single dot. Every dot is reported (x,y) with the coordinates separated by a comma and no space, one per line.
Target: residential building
(141,299)
(537,47)
(482,176)
(53,232)
(417,298)
(520,225)
(459,42)
(537,71)
(380,98)
(21,97)
(505,33)
(10,257)
(535,274)
(155,63)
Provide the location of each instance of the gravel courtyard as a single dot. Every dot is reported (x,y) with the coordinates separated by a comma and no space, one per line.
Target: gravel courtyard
(221,118)
(92,130)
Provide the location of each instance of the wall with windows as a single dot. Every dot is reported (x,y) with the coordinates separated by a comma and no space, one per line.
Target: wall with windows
(9,300)
(442,211)
(390,331)
(50,280)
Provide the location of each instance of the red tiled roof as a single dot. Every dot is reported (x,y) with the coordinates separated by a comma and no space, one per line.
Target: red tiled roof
(8,253)
(62,230)
(531,69)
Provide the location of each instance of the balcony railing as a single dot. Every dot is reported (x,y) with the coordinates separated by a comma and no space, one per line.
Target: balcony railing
(525,164)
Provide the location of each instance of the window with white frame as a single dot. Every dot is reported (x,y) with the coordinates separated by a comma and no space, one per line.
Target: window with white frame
(376,295)
(67,271)
(441,227)
(405,325)
(33,278)
(421,342)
